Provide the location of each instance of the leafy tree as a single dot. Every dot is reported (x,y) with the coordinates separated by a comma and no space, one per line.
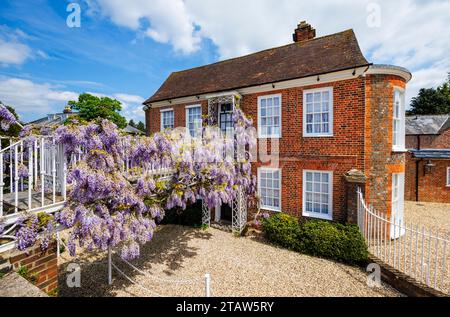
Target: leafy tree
(91,108)
(432,101)
(132,123)
(141,126)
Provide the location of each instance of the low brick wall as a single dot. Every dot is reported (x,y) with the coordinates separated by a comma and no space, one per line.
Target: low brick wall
(42,266)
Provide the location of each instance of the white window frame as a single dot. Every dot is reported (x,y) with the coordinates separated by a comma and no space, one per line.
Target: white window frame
(162,116)
(269,169)
(315,215)
(187,116)
(448,176)
(330,133)
(398,139)
(272,136)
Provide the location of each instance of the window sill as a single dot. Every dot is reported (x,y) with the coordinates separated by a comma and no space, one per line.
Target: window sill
(270,209)
(318,135)
(269,137)
(318,216)
(399,150)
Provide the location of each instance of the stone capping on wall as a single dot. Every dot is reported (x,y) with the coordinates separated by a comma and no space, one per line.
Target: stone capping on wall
(403,283)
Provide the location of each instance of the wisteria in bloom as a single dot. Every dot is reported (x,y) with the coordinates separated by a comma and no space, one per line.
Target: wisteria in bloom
(6,118)
(28,232)
(115,199)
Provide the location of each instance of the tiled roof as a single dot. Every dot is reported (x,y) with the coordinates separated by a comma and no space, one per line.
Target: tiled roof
(317,56)
(427,124)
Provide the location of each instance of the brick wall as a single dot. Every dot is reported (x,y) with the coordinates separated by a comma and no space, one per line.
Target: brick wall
(42,266)
(431,185)
(441,141)
(381,162)
(153,116)
(361,138)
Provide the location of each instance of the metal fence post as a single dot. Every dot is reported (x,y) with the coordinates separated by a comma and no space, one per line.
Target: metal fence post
(109,266)
(207,285)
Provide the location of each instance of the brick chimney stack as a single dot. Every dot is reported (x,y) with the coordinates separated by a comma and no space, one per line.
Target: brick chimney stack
(304,32)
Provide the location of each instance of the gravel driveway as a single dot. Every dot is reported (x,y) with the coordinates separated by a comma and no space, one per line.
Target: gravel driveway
(176,260)
(430,215)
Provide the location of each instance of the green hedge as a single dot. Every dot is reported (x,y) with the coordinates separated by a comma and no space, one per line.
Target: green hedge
(318,238)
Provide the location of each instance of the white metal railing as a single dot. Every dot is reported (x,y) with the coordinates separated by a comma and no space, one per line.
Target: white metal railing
(419,252)
(32,177)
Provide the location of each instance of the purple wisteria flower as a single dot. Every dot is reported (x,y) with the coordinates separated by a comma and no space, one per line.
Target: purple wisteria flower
(6,118)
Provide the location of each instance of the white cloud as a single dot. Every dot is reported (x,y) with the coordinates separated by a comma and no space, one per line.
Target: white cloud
(32,99)
(166,21)
(129,98)
(413,34)
(13,52)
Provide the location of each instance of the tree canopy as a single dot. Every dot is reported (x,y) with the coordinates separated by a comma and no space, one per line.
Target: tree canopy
(92,108)
(431,101)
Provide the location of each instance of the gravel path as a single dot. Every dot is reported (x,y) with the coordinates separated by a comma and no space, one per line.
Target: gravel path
(429,215)
(238,267)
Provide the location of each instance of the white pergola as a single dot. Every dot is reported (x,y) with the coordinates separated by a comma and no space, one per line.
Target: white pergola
(239,204)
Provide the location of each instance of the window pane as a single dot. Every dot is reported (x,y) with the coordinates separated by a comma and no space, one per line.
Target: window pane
(276,101)
(309,97)
(309,176)
(317,107)
(317,96)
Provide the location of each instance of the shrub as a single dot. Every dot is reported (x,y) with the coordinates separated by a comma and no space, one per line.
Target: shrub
(333,241)
(283,230)
(192,216)
(317,238)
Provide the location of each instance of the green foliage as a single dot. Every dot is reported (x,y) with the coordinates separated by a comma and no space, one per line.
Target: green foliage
(62,246)
(2,275)
(44,218)
(432,101)
(334,241)
(132,123)
(283,230)
(53,293)
(25,273)
(192,216)
(91,108)
(317,238)
(141,126)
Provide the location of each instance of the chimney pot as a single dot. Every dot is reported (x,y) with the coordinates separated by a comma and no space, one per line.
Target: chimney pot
(304,32)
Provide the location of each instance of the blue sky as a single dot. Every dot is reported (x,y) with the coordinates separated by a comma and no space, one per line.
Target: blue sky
(125,49)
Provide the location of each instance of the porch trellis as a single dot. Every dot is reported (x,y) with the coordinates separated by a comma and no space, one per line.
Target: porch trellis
(239,203)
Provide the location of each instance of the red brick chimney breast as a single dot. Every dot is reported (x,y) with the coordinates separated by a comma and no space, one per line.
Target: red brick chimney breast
(304,32)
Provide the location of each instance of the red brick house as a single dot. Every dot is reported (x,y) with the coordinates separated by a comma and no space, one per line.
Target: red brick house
(428,161)
(330,109)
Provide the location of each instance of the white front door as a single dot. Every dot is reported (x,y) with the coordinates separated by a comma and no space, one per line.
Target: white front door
(398,205)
